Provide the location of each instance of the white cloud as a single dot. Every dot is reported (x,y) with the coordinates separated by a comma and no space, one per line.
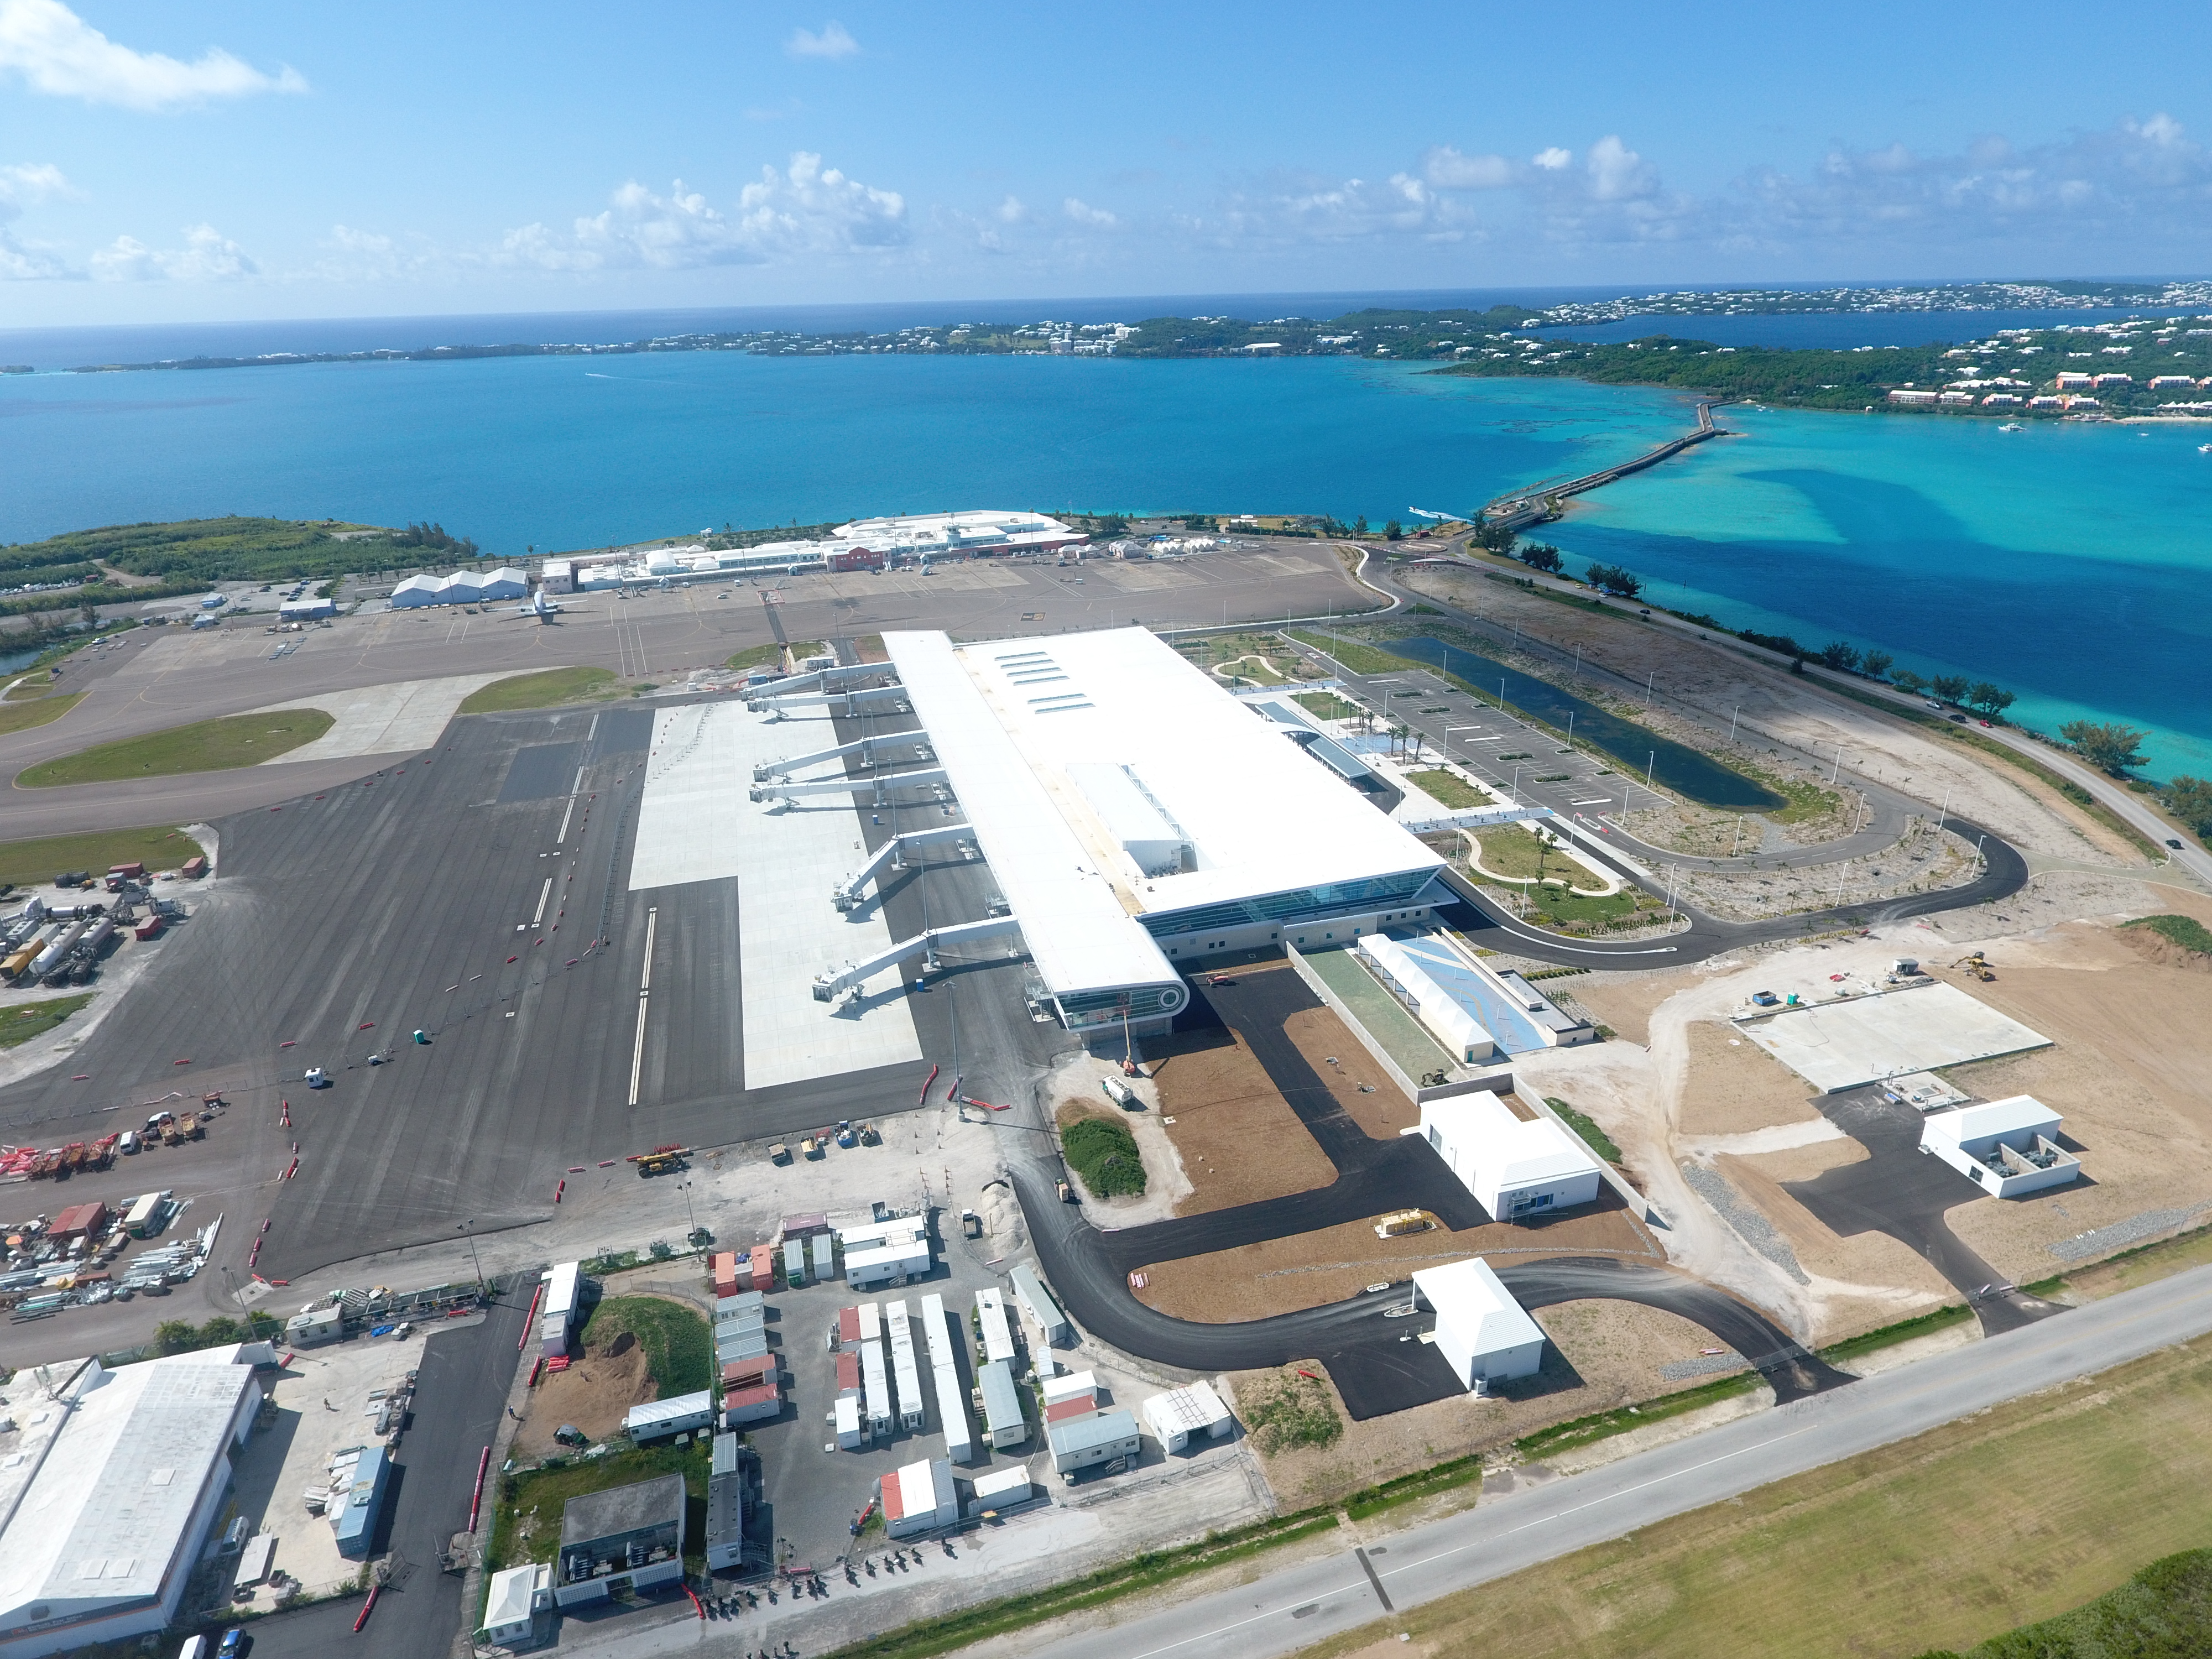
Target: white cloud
(1447,169)
(208,256)
(1083,214)
(31,181)
(1618,173)
(1553,159)
(833,42)
(58,52)
(1012,212)
(1287,208)
(23,183)
(806,209)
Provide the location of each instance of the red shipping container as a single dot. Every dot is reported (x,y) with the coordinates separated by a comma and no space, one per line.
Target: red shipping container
(764,1266)
(848,1373)
(193,868)
(724,1265)
(1080,1405)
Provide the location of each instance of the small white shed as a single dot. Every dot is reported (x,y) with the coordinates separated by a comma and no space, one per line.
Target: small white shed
(1481,1330)
(1181,1415)
(2007,1147)
(1517,1169)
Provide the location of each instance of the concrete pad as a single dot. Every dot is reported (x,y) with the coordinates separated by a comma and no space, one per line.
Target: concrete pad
(696,824)
(382,720)
(1864,1039)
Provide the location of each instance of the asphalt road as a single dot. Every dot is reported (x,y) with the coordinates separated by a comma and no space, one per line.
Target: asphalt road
(1302,1605)
(459,1399)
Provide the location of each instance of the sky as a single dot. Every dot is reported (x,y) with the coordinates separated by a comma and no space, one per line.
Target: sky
(174,161)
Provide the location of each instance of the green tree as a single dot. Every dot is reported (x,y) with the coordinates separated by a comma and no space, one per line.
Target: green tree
(1874,663)
(2107,746)
(1905,680)
(1393,530)
(1612,578)
(1840,655)
(2189,799)
(1360,526)
(1949,688)
(1990,700)
(1541,555)
(1494,537)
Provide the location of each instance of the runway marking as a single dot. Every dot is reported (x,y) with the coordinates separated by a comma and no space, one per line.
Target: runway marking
(575,789)
(543,893)
(1594,800)
(644,995)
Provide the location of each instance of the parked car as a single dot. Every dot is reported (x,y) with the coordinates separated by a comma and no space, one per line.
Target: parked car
(128,1142)
(2174,844)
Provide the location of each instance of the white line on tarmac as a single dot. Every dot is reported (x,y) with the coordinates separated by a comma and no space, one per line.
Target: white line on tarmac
(575,789)
(543,893)
(644,995)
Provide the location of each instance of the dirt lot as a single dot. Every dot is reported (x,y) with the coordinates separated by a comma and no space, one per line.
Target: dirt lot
(2128,1072)
(1602,1354)
(1358,1084)
(1736,1086)
(1287,1274)
(1236,1136)
(593,1394)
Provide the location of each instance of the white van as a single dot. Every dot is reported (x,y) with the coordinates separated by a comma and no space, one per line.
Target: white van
(194,1648)
(129,1143)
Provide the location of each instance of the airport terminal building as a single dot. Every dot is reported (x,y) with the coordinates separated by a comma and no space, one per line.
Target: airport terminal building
(1138,816)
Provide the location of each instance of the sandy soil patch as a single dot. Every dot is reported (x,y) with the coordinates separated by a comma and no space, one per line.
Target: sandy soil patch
(594,1394)
(1624,1001)
(1236,1137)
(1736,1086)
(1308,1270)
(1602,1354)
(2132,1051)
(1773,708)
(1861,1283)
(1355,1081)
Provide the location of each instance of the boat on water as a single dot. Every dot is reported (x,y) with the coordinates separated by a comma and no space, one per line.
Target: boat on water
(2012,426)
(2204,449)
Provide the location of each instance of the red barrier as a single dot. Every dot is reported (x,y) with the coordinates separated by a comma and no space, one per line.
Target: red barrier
(475,1502)
(695,1602)
(560,1188)
(366,1607)
(926,1081)
(529,1321)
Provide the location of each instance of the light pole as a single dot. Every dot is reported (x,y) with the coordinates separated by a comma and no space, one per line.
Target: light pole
(1944,813)
(1733,713)
(1836,771)
(689,1215)
(469,1226)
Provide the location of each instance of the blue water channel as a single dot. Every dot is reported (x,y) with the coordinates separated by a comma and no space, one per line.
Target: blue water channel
(1699,777)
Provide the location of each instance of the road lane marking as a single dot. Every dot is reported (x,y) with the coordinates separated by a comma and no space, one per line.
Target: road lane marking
(575,789)
(543,893)
(644,996)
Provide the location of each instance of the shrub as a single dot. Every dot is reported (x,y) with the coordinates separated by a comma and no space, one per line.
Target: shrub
(1292,1409)
(1104,1154)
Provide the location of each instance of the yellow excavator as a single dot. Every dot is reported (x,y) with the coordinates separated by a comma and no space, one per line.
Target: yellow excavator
(1977,964)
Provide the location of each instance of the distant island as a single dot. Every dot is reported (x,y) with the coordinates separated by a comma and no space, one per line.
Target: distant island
(2157,361)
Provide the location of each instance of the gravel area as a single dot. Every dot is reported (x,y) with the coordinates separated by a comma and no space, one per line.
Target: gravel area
(1757,1230)
(2103,1241)
(1922,859)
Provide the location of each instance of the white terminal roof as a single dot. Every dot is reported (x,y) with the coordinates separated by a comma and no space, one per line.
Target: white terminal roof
(923,531)
(97,1490)
(1110,781)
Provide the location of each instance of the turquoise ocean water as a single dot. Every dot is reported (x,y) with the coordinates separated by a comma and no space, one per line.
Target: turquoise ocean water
(2069,563)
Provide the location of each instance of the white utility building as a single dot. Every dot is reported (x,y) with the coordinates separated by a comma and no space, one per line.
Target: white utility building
(505,583)
(886,1252)
(1517,1168)
(1421,979)
(557,1317)
(2009,1147)
(1137,816)
(1481,1330)
(919,1497)
(517,1595)
(1193,1411)
(110,1483)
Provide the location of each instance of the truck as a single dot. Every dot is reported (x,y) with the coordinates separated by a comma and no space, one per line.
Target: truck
(1121,1094)
(147,1212)
(654,1163)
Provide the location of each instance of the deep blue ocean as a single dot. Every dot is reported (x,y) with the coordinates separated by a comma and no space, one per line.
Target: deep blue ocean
(2070,563)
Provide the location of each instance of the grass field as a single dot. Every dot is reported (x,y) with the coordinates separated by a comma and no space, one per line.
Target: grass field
(1325,705)
(208,746)
(1102,1153)
(20,1024)
(542,689)
(2187,932)
(1448,787)
(2010,1515)
(27,686)
(758,656)
(1582,1124)
(679,1348)
(29,863)
(39,711)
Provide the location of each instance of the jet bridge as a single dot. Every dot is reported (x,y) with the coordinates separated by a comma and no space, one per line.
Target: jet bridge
(892,855)
(1477,817)
(868,748)
(881,698)
(833,982)
(819,680)
(875,783)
